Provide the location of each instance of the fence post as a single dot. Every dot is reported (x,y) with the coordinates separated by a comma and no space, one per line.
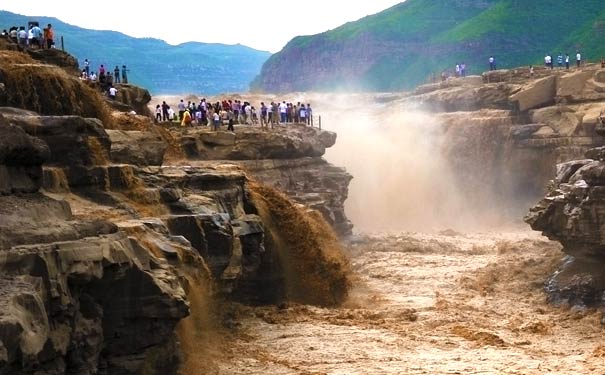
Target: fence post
(62,44)
(319,122)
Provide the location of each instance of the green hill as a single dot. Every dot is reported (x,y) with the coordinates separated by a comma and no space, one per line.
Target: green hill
(154,64)
(403,45)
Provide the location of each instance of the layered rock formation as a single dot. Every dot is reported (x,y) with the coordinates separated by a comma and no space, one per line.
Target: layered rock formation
(95,265)
(288,159)
(77,296)
(572,213)
(503,133)
(104,248)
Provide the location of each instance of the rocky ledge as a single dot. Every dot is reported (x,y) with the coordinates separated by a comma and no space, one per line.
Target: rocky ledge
(504,132)
(101,245)
(77,296)
(114,244)
(287,158)
(572,213)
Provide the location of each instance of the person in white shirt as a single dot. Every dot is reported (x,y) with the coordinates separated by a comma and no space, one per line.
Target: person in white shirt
(283,108)
(112,92)
(37,36)
(22,35)
(567,61)
(578,59)
(247,114)
(158,113)
(302,114)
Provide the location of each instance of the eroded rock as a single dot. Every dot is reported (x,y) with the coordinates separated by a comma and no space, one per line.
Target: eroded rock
(137,147)
(572,213)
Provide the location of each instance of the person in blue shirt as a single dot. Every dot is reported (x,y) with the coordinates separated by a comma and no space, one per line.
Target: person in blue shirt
(560,61)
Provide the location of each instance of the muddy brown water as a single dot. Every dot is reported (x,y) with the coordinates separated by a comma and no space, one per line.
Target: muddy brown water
(427,304)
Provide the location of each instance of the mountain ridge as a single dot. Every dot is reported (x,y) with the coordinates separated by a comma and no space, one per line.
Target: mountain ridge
(404,45)
(160,67)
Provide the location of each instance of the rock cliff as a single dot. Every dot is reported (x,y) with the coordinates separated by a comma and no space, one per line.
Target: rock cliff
(113,230)
(504,132)
(77,295)
(289,159)
(101,253)
(572,213)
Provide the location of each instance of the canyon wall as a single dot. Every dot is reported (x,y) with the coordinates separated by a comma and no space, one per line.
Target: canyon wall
(100,239)
(503,134)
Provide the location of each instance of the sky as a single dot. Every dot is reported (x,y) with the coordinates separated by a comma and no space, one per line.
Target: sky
(261,24)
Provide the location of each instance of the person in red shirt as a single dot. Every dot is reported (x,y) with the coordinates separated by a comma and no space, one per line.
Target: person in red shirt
(50,36)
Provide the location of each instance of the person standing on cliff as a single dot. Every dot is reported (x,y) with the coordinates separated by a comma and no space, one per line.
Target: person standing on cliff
(158,113)
(283,110)
(560,61)
(165,111)
(578,59)
(302,114)
(22,36)
(309,115)
(50,36)
(186,121)
(116,74)
(124,76)
(38,36)
(216,120)
(263,116)
(492,63)
(87,66)
(181,107)
(567,61)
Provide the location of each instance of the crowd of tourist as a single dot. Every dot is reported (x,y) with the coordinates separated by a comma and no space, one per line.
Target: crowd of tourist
(103,74)
(106,78)
(33,37)
(230,112)
(562,61)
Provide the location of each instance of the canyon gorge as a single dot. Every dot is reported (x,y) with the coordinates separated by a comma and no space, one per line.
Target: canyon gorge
(390,241)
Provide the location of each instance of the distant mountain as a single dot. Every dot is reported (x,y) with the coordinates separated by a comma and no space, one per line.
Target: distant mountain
(198,68)
(401,46)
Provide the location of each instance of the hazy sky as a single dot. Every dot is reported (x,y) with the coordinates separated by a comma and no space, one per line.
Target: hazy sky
(262,24)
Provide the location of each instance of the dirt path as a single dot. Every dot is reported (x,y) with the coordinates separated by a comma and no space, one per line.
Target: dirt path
(429,304)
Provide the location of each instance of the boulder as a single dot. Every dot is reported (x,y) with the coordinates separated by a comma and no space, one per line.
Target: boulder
(134,97)
(21,158)
(211,235)
(218,138)
(55,56)
(562,119)
(84,305)
(571,86)
(72,140)
(137,147)
(572,213)
(535,94)
(464,98)
(296,141)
